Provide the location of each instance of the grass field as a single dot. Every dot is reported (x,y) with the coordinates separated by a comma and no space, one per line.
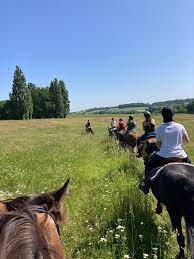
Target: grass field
(109,216)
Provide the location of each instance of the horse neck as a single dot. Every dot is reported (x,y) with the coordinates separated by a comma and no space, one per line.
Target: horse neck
(51,235)
(21,235)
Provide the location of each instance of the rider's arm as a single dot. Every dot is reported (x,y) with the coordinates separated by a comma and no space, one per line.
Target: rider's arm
(158,138)
(144,125)
(185,138)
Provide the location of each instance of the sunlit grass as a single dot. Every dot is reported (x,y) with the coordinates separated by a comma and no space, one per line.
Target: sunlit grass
(109,216)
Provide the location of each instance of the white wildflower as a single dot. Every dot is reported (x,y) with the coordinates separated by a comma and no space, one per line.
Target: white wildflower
(103,239)
(120,227)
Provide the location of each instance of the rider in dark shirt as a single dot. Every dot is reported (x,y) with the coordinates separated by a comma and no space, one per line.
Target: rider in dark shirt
(131,124)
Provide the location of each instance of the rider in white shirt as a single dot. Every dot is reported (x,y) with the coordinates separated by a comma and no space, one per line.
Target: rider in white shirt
(170,136)
(113,123)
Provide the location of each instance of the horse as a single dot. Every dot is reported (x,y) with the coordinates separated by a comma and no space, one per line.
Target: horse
(29,226)
(89,130)
(112,132)
(173,186)
(130,140)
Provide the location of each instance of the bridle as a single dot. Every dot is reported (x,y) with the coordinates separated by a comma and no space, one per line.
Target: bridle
(42,210)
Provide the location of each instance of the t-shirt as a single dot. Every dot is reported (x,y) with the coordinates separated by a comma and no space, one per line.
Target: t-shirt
(170,135)
(131,125)
(149,125)
(121,125)
(113,124)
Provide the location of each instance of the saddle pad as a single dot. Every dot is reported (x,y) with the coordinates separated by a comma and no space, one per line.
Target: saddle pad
(156,173)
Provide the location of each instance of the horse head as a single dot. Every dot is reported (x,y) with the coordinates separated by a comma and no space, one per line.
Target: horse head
(29,225)
(149,147)
(52,202)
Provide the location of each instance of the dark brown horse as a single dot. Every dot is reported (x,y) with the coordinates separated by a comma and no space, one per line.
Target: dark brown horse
(29,226)
(174,187)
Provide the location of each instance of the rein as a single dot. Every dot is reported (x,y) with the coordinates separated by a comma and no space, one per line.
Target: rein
(42,210)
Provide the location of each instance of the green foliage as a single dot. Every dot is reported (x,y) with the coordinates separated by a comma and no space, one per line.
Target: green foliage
(56,99)
(5,110)
(30,101)
(180,106)
(65,96)
(42,105)
(20,98)
(190,107)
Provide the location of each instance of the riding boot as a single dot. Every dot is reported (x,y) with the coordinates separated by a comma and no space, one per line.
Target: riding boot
(145,186)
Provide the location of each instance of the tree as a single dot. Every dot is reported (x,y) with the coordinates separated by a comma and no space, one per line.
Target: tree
(20,98)
(42,105)
(5,110)
(56,99)
(65,95)
(190,107)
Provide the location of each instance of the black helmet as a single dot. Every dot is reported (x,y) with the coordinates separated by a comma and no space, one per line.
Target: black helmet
(167,114)
(147,114)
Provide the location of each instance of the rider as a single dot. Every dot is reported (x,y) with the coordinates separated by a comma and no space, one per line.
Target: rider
(121,131)
(121,126)
(88,124)
(149,130)
(113,124)
(131,124)
(170,136)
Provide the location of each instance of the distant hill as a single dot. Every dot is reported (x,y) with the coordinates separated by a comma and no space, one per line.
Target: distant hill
(179,105)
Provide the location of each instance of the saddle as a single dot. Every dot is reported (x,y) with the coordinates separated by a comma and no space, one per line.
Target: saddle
(155,172)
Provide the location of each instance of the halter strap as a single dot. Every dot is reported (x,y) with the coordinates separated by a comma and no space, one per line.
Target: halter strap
(42,210)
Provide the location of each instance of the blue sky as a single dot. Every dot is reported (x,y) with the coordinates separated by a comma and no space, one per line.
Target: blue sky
(108,52)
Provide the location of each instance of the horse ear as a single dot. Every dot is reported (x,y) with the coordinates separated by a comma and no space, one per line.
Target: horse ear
(60,194)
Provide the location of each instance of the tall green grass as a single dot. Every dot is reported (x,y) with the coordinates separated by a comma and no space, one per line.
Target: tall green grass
(109,216)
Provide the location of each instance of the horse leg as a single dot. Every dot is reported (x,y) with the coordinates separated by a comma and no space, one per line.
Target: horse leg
(176,224)
(158,209)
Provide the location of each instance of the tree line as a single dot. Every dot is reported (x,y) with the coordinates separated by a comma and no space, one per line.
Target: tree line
(27,101)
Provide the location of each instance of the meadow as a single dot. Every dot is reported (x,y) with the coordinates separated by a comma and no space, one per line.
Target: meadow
(108,216)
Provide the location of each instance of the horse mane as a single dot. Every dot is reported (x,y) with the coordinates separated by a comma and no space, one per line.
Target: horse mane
(21,237)
(17,203)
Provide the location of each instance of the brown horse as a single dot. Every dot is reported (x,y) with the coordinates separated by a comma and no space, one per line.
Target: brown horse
(130,140)
(149,146)
(29,226)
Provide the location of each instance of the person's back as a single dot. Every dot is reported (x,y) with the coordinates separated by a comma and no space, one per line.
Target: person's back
(131,124)
(121,125)
(148,125)
(88,125)
(170,135)
(113,123)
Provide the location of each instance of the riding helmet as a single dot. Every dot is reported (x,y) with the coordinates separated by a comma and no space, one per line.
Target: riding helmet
(147,114)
